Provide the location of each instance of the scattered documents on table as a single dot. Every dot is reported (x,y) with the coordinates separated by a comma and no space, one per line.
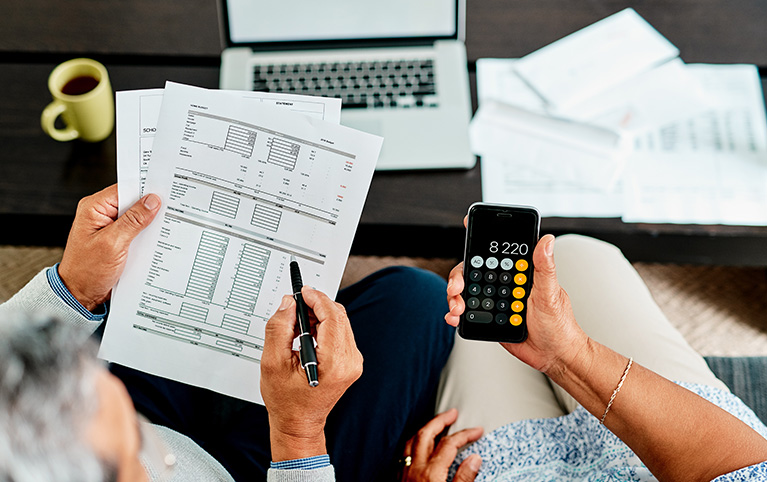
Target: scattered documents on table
(247,180)
(693,138)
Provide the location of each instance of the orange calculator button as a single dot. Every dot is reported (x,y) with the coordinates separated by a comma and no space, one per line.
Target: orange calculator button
(515,320)
(520,278)
(521,265)
(517,306)
(518,292)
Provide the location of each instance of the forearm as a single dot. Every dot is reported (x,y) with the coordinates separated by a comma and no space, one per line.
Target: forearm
(676,433)
(39,296)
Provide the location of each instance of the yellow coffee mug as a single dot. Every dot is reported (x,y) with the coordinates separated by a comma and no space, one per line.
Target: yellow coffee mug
(83,98)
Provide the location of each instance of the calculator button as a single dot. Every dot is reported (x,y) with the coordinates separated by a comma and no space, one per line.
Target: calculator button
(500,318)
(475,275)
(474,289)
(488,304)
(477,261)
(504,278)
(518,292)
(507,263)
(472,303)
(515,320)
(491,263)
(520,278)
(502,305)
(517,306)
(521,265)
(488,290)
(479,317)
(490,276)
(504,291)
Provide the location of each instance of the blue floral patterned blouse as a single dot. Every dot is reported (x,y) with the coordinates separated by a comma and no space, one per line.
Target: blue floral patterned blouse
(576,447)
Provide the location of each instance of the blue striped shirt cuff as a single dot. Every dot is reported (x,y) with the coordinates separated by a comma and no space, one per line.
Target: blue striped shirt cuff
(58,287)
(309,463)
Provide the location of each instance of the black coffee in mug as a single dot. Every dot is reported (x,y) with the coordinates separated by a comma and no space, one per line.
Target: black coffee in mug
(80,85)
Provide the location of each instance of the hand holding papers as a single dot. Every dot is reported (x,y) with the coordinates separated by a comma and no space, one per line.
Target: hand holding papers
(245,186)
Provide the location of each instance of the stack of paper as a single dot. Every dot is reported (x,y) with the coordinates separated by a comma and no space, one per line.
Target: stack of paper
(693,138)
(247,180)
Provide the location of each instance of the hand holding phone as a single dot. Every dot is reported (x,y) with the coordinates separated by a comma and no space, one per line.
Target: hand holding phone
(498,271)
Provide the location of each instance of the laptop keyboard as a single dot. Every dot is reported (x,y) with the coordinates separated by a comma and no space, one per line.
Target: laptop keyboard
(375,84)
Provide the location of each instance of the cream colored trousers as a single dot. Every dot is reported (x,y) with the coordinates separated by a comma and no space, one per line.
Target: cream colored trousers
(491,388)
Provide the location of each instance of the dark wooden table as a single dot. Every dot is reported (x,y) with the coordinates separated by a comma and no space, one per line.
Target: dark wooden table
(145,42)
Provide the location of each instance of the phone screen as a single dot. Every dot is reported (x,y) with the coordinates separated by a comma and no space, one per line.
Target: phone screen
(498,271)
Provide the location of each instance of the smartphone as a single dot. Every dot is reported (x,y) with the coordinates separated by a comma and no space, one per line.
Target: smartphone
(498,271)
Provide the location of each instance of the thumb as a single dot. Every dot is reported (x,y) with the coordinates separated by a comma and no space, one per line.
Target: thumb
(468,470)
(135,219)
(545,280)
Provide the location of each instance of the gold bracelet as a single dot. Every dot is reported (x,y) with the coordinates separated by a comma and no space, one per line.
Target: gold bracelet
(617,389)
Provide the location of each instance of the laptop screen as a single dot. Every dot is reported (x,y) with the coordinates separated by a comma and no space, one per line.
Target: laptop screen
(252,21)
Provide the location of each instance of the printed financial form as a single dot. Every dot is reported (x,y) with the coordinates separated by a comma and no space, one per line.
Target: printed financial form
(244,186)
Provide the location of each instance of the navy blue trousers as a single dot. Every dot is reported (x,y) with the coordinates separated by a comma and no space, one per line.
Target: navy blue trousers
(397,318)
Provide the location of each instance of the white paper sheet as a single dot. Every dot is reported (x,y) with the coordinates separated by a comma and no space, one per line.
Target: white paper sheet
(244,186)
(710,168)
(558,149)
(595,58)
(508,183)
(139,110)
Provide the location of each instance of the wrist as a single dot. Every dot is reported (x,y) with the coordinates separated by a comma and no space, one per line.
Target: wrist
(296,439)
(286,446)
(87,302)
(574,363)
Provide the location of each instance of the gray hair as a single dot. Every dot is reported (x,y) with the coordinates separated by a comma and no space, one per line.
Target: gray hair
(47,398)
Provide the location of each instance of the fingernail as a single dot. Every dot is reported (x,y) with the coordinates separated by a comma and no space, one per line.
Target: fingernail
(152,201)
(475,462)
(286,301)
(449,283)
(549,248)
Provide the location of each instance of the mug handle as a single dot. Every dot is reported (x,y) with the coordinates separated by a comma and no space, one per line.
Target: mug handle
(49,116)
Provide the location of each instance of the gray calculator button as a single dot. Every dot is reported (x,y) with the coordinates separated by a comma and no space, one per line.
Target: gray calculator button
(504,278)
(488,304)
(477,261)
(474,289)
(504,291)
(500,318)
(490,276)
(479,317)
(491,263)
(488,290)
(472,303)
(502,305)
(475,275)
(507,263)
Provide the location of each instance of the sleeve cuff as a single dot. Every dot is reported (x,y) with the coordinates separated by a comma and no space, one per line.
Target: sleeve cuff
(58,287)
(308,463)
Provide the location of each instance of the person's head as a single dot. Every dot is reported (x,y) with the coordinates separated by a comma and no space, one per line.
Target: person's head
(63,417)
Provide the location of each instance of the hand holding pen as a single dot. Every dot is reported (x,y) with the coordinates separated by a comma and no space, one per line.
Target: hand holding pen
(297,411)
(307,353)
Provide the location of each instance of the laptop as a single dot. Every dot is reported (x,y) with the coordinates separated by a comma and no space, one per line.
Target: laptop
(399,67)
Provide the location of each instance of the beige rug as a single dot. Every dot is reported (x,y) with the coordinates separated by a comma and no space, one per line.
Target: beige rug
(719,310)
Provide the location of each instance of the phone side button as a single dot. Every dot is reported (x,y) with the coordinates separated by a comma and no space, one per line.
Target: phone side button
(479,317)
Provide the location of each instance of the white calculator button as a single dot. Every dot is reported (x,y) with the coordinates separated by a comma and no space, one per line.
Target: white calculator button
(491,263)
(477,261)
(507,263)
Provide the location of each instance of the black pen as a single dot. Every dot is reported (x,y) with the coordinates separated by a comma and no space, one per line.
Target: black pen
(307,354)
